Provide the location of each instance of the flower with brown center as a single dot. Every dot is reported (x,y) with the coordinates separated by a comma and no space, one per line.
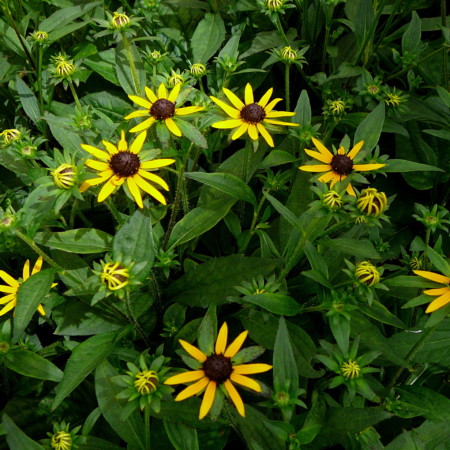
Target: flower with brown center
(337,167)
(160,107)
(217,370)
(122,163)
(251,116)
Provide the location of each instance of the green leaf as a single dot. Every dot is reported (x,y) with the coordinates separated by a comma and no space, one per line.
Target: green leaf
(132,82)
(277,158)
(84,359)
(401,165)
(411,37)
(438,261)
(81,240)
(369,130)
(29,101)
(313,422)
(406,281)
(32,365)
(10,40)
(181,436)
(16,438)
(275,303)
(379,312)
(192,133)
(131,429)
(211,282)
(30,294)
(207,38)
(199,221)
(227,183)
(62,130)
(354,247)
(302,110)
(104,64)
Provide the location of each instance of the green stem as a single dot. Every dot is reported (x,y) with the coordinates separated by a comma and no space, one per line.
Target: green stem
(132,319)
(39,80)
(114,211)
(286,87)
(154,76)
(336,227)
(280,30)
(147,426)
(75,95)
(134,74)
(445,53)
(388,24)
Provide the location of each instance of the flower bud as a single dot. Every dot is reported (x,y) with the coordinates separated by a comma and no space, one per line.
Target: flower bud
(146,382)
(4,347)
(197,70)
(336,107)
(62,440)
(10,135)
(115,276)
(288,54)
(64,176)
(65,69)
(332,200)
(350,369)
(274,5)
(39,36)
(367,273)
(155,55)
(371,202)
(120,21)
(175,79)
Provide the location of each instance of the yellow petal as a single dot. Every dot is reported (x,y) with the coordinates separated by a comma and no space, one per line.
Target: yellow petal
(140,101)
(155,178)
(230,123)
(429,276)
(172,126)
(252,131)
(272,105)
(94,181)
(273,114)
(41,310)
(222,337)
(8,289)
(245,381)
(162,91)
(240,131)
(234,113)
(322,149)
(234,99)
(8,279)
(236,345)
(367,167)
(8,298)
(315,168)
(248,369)
(325,178)
(208,399)
(174,93)
(134,191)
(248,94)
(193,351)
(147,187)
(265,134)
(193,389)
(438,303)
(341,151)
(107,189)
(37,265)
(319,156)
(100,154)
(156,163)
(150,94)
(111,148)
(265,98)
(122,146)
(138,113)
(97,165)
(143,125)
(355,150)
(137,144)
(26,270)
(7,308)
(235,397)
(188,110)
(279,122)
(350,190)
(185,377)
(437,291)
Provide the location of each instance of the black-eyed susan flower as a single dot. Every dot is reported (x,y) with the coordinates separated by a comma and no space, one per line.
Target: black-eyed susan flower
(442,293)
(250,116)
(217,371)
(337,167)
(160,107)
(122,163)
(12,286)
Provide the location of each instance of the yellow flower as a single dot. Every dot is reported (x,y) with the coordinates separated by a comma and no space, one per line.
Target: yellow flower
(367,273)
(122,163)
(12,286)
(146,382)
(371,202)
(217,369)
(350,369)
(61,441)
(64,176)
(250,116)
(442,293)
(115,276)
(161,107)
(337,167)
(119,21)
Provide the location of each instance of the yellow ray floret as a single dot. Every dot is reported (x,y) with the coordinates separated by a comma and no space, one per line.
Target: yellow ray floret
(442,294)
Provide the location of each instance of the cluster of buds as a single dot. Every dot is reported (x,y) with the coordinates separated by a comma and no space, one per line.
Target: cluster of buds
(62,68)
(228,63)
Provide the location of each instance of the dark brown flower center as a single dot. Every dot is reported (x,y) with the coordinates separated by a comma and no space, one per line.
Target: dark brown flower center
(217,368)
(162,109)
(253,113)
(125,163)
(341,164)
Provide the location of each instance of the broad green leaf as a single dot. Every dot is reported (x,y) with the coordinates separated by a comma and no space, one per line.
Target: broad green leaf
(207,38)
(181,436)
(207,331)
(81,240)
(369,130)
(60,32)
(192,133)
(227,183)
(104,64)
(438,261)
(379,312)
(285,213)
(32,365)
(132,78)
(84,359)
(29,101)
(30,294)
(16,438)
(275,303)
(302,110)
(401,165)
(316,260)
(131,429)
(11,41)
(277,158)
(314,421)
(211,282)
(231,48)
(354,247)
(411,37)
(406,281)
(62,130)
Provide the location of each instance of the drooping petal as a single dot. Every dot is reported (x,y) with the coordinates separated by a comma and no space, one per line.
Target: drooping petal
(150,94)
(174,93)
(7,298)
(155,178)
(355,150)
(315,168)
(193,351)
(279,122)
(234,99)
(230,123)
(248,94)
(147,187)
(326,177)
(429,276)
(162,91)
(41,310)
(137,144)
(252,131)
(336,178)
(208,399)
(234,113)
(185,377)
(188,110)
(236,345)
(222,338)
(107,189)
(245,381)
(350,190)
(437,291)
(111,148)
(319,156)
(265,134)
(438,303)
(134,191)
(248,369)
(95,181)
(137,113)
(235,397)
(97,165)
(193,389)
(26,270)
(272,105)
(156,163)
(37,265)
(143,125)
(240,131)
(274,114)
(100,154)
(140,101)
(367,167)
(172,126)
(7,308)
(322,149)
(8,279)
(265,98)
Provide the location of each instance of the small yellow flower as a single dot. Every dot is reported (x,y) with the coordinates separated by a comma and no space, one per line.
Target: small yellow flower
(64,176)
(114,276)
(371,202)
(122,163)
(442,293)
(336,107)
(10,135)
(146,382)
(12,286)
(367,273)
(61,441)
(155,55)
(337,167)
(393,100)
(332,200)
(161,107)
(250,116)
(217,369)
(119,21)
(197,69)
(350,369)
